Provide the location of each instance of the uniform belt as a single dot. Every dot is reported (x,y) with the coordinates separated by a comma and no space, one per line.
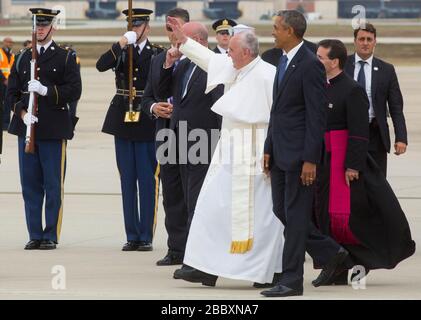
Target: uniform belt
(124,92)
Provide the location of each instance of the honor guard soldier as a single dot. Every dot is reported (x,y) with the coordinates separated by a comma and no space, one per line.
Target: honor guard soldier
(134,134)
(43,80)
(223,29)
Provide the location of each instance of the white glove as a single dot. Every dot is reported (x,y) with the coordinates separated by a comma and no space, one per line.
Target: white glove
(131,37)
(36,86)
(29,120)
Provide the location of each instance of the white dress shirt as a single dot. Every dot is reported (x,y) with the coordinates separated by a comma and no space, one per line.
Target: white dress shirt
(46,46)
(222,50)
(140,46)
(291,54)
(368,71)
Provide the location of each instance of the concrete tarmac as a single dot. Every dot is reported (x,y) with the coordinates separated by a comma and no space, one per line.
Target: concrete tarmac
(89,259)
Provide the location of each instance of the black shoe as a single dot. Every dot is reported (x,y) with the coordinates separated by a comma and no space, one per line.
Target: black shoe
(130,246)
(47,245)
(33,245)
(276,279)
(339,279)
(170,259)
(193,275)
(328,273)
(145,246)
(183,268)
(281,291)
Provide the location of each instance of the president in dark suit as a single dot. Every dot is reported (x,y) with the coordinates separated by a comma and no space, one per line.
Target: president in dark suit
(379,80)
(191,110)
(272,55)
(292,150)
(160,109)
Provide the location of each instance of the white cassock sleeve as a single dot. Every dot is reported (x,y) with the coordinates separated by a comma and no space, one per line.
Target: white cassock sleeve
(218,66)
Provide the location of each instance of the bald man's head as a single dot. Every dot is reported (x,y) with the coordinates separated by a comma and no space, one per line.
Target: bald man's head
(196,31)
(8,42)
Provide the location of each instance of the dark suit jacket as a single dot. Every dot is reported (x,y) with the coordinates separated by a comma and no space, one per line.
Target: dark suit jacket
(298,116)
(151,94)
(195,107)
(273,55)
(385,93)
(58,71)
(216,50)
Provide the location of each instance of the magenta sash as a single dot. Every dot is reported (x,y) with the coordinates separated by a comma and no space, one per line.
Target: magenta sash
(339,193)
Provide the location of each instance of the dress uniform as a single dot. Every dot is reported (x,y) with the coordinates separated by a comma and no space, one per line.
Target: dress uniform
(222,28)
(134,141)
(42,173)
(73,104)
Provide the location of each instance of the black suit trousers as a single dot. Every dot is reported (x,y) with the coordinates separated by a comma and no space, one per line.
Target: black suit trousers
(174,207)
(292,204)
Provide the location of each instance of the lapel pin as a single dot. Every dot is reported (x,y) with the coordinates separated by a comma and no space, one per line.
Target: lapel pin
(52,48)
(330,106)
(376,69)
(293,65)
(147,47)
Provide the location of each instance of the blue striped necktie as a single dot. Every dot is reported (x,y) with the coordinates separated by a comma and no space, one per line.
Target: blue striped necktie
(282,67)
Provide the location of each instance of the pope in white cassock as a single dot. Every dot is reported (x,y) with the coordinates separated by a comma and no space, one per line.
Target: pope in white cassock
(234,233)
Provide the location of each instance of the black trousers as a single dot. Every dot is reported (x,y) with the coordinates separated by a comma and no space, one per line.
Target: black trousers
(376,147)
(293,204)
(175,208)
(5,114)
(192,178)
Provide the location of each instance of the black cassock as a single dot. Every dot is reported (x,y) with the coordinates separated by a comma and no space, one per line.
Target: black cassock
(376,221)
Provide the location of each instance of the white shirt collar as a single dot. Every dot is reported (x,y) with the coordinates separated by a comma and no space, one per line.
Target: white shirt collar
(141,45)
(46,46)
(222,50)
(291,54)
(358,58)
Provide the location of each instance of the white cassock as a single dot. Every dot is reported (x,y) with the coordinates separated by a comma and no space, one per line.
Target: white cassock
(234,233)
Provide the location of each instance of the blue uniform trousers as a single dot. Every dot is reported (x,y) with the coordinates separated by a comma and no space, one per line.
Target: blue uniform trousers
(42,176)
(139,176)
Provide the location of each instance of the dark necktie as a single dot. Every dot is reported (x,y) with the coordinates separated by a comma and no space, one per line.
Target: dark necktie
(175,65)
(186,78)
(282,67)
(41,51)
(171,99)
(361,74)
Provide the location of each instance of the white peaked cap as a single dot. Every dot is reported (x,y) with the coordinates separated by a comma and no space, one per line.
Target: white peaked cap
(241,28)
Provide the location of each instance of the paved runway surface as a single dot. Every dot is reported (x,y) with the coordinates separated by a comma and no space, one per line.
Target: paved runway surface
(93,232)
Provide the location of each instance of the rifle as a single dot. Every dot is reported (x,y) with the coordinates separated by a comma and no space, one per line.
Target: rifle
(33,97)
(131,116)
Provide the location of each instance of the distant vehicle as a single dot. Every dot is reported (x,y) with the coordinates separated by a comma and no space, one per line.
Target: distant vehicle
(221,9)
(102,9)
(403,9)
